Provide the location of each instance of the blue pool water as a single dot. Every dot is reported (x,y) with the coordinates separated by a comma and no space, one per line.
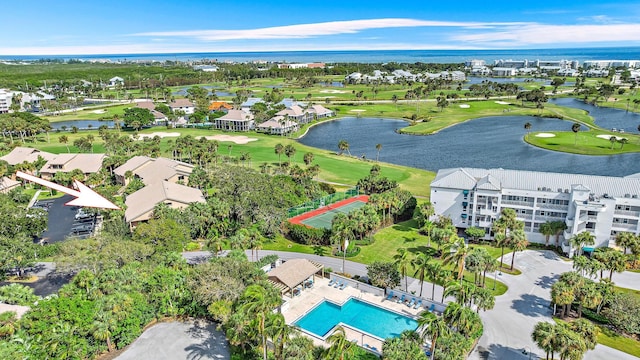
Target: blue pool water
(357,314)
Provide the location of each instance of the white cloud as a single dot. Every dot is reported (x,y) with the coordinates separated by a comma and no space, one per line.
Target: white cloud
(541,34)
(315,29)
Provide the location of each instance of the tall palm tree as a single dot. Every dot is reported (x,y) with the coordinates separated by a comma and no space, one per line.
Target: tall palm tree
(279,150)
(562,294)
(64,139)
(259,302)
(617,262)
(378,148)
(575,128)
(527,126)
(422,264)
(403,260)
(626,240)
(343,146)
(340,345)
(458,256)
(289,151)
(432,327)
(543,335)
(517,242)
(559,227)
(435,271)
(582,239)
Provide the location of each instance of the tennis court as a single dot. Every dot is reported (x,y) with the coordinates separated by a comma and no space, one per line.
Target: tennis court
(322,217)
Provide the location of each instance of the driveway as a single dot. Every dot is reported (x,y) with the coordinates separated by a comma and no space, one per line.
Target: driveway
(197,339)
(508,326)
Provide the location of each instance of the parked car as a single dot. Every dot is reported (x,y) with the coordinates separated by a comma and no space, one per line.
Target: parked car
(82,228)
(83,215)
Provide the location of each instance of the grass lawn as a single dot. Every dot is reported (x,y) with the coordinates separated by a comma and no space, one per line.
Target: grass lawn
(94,113)
(586,142)
(335,168)
(613,340)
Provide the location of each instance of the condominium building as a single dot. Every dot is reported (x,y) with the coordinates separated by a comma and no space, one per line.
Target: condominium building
(602,205)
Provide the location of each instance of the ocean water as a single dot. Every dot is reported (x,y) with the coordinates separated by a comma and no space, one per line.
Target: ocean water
(372,56)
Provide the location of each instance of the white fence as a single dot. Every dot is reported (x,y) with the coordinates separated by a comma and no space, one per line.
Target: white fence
(358,285)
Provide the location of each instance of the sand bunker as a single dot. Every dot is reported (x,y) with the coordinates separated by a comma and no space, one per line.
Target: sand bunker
(238,139)
(332,91)
(502,102)
(100,111)
(545,135)
(464,106)
(608,137)
(357,110)
(159,134)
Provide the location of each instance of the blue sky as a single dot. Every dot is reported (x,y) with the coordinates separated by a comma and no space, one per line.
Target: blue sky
(71,27)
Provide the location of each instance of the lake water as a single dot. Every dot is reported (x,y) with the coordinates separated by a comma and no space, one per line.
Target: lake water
(491,142)
(605,118)
(81,124)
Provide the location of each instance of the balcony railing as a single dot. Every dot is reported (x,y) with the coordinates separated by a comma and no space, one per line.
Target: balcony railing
(626,212)
(552,206)
(517,203)
(625,226)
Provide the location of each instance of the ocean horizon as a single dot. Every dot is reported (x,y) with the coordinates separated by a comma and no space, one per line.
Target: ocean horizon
(364,56)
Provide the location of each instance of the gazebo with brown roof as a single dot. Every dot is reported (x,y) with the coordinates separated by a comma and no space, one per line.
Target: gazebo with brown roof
(292,273)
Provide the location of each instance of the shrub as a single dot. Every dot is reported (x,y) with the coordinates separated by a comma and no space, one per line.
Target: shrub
(306,235)
(593,316)
(192,246)
(17,294)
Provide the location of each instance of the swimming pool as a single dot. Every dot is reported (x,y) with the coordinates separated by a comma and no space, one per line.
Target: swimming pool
(358,314)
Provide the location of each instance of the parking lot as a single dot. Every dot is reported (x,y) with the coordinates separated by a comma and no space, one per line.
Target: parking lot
(66,221)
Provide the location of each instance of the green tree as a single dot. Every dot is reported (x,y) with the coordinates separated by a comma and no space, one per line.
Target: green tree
(289,151)
(422,265)
(64,139)
(575,128)
(402,259)
(343,146)
(383,274)
(544,335)
(517,241)
(432,327)
(340,345)
(279,150)
(258,303)
(137,117)
(547,230)
(378,148)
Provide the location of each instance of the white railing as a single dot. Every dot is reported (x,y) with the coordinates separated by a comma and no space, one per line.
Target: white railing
(626,212)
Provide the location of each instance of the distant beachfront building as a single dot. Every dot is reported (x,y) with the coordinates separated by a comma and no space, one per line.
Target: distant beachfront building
(301,66)
(503,71)
(605,64)
(205,68)
(6,98)
(475,63)
(601,205)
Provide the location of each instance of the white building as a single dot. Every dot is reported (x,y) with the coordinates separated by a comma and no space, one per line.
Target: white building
(605,64)
(602,205)
(504,71)
(6,98)
(115,81)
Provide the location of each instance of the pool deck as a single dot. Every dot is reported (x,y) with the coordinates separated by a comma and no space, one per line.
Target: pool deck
(303,303)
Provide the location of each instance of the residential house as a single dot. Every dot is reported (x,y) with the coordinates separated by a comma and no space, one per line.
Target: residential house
(184,105)
(87,163)
(297,114)
(141,203)
(277,125)
(115,81)
(220,106)
(26,154)
(8,184)
(319,112)
(235,120)
(151,170)
(601,205)
(158,117)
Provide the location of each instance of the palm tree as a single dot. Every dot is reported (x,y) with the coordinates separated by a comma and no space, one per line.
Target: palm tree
(582,239)
(559,227)
(613,140)
(340,345)
(289,151)
(626,240)
(527,126)
(432,327)
(343,146)
(421,263)
(563,295)
(259,302)
(517,242)
(543,335)
(547,230)
(279,150)
(623,141)
(64,139)
(378,148)
(403,261)
(575,128)
(434,269)
(308,158)
(617,262)
(458,256)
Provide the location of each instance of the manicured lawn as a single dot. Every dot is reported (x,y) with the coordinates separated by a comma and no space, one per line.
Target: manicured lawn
(333,167)
(93,113)
(586,142)
(609,338)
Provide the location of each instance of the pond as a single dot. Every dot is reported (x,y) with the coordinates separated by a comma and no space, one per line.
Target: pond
(332,84)
(491,142)
(81,124)
(605,118)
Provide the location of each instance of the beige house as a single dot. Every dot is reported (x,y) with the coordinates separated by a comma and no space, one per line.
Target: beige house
(7,184)
(182,104)
(141,203)
(320,111)
(277,125)
(235,120)
(87,163)
(21,154)
(297,114)
(151,170)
